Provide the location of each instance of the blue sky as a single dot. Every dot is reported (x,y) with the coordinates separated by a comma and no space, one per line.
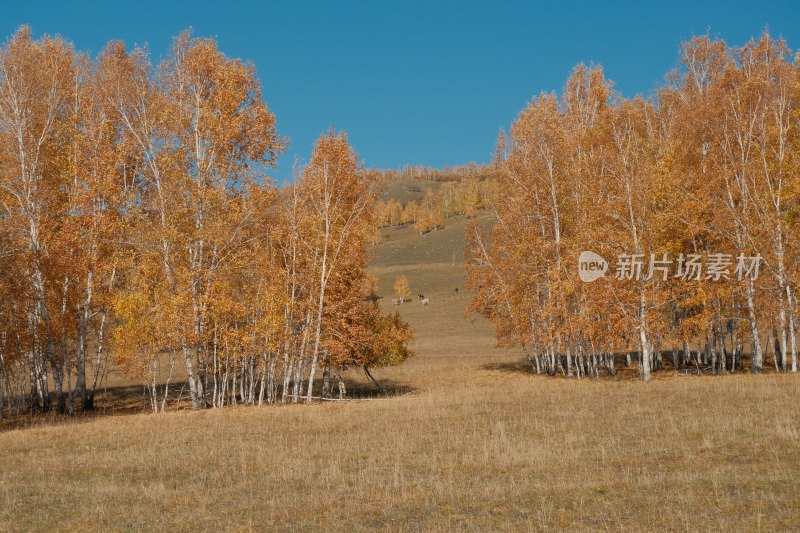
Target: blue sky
(414,82)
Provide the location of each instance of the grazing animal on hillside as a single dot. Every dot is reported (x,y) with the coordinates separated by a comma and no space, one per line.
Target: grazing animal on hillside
(397,301)
(456,290)
(420,296)
(425,301)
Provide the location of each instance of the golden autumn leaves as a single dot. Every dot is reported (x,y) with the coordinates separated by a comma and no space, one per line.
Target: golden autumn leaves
(135,197)
(706,167)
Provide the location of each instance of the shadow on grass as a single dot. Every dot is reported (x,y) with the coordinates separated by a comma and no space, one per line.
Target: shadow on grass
(520,366)
(363,390)
(665,368)
(523,366)
(110,401)
(135,399)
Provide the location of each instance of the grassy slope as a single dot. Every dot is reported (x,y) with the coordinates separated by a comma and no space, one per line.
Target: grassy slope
(472,441)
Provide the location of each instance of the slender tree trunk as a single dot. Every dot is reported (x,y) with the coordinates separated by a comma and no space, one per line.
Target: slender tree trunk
(644,343)
(287,370)
(317,337)
(49,337)
(166,385)
(301,361)
(340,382)
(195,385)
(326,376)
(569,361)
(758,356)
(98,361)
(2,376)
(790,298)
(369,375)
(777,355)
(783,337)
(84,314)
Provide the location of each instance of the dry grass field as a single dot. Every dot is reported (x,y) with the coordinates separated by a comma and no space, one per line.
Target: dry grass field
(469,440)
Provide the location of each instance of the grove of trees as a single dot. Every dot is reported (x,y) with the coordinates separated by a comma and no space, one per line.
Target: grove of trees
(704,172)
(138,228)
(456,196)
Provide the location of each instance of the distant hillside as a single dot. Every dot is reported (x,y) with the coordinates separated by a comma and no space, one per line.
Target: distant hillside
(406,189)
(402,245)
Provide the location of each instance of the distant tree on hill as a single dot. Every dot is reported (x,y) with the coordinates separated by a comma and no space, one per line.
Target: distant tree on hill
(394,212)
(472,199)
(401,288)
(409,213)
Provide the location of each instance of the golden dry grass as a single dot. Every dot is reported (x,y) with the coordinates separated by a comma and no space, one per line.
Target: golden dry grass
(478,444)
(508,453)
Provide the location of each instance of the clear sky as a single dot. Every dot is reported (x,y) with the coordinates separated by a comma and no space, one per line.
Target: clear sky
(414,82)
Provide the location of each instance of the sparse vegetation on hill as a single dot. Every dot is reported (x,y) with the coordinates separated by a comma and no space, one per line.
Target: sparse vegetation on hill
(429,206)
(433,175)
